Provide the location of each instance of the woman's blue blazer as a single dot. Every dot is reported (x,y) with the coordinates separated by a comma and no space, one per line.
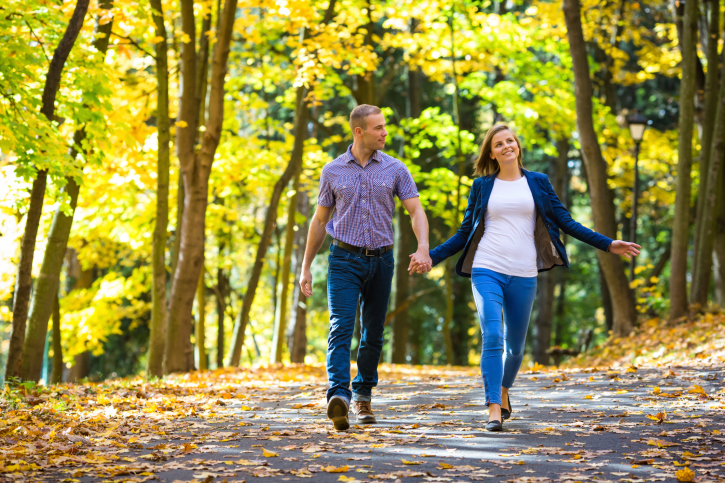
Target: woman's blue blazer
(551,216)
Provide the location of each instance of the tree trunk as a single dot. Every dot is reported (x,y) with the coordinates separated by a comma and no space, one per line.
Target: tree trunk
(155,362)
(23,280)
(601,198)
(297,340)
(81,367)
(406,240)
(176,247)
(56,376)
(403,248)
(222,289)
(681,224)
(280,325)
(201,322)
(300,129)
(719,247)
(46,288)
(705,238)
(79,279)
(547,280)
(195,168)
(365,91)
(711,95)
(300,132)
(461,162)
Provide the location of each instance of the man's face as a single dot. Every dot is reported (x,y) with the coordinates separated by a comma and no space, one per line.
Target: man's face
(373,136)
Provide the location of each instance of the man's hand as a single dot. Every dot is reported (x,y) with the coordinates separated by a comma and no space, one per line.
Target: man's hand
(628,249)
(306,282)
(420,262)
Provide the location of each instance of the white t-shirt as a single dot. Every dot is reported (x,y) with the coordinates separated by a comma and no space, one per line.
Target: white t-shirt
(507,245)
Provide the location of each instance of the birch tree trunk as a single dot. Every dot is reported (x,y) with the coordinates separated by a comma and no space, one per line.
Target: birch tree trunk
(195,169)
(681,223)
(46,289)
(23,279)
(158,289)
(624,312)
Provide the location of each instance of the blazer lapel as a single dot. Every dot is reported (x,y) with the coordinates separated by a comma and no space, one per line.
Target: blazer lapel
(483,197)
(536,192)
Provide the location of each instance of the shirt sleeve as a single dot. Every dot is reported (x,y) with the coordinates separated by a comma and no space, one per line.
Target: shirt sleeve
(404,185)
(326,197)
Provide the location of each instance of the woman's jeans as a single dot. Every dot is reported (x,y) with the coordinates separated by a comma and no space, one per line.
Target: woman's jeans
(355,277)
(504,305)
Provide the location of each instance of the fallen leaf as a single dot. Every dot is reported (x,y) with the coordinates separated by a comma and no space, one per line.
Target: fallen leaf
(685,475)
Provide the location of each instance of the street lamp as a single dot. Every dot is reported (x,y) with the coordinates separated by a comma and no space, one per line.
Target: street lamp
(637,125)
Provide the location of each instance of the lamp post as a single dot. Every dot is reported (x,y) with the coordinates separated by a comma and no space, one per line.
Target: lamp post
(637,125)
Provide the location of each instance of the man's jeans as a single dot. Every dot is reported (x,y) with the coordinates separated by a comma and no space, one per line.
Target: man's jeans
(353,277)
(504,305)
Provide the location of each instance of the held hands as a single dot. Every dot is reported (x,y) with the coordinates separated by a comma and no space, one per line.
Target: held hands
(420,262)
(628,249)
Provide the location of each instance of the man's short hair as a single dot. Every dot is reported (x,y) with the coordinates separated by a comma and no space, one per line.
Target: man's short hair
(358,115)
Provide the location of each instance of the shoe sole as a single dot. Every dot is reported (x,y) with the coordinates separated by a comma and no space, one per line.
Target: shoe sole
(368,420)
(337,412)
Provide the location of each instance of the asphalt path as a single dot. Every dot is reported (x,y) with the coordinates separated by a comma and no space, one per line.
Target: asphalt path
(636,426)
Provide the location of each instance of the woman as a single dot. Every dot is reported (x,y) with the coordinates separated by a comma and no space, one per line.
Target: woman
(509,233)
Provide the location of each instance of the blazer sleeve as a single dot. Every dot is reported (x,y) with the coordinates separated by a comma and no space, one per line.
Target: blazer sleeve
(456,243)
(568,225)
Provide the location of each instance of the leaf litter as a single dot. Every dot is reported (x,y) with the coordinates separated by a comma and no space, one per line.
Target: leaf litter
(272,424)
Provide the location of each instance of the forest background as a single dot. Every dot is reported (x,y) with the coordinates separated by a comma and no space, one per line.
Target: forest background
(160,159)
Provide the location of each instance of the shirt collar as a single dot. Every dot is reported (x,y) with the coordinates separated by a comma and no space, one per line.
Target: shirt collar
(375,157)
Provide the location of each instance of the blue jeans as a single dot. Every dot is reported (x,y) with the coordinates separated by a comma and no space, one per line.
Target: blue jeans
(354,277)
(504,305)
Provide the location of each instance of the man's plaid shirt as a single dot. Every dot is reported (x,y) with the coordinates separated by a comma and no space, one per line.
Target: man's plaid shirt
(363,197)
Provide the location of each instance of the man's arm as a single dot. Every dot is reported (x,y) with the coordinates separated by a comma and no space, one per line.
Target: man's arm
(315,238)
(420,261)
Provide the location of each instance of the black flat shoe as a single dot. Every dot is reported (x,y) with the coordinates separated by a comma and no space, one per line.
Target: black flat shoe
(494,426)
(506,413)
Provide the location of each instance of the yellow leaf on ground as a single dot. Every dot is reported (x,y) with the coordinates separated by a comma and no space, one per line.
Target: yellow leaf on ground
(406,462)
(332,469)
(656,390)
(696,390)
(268,454)
(445,466)
(685,475)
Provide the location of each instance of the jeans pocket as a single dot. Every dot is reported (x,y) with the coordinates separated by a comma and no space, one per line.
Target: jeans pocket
(388,261)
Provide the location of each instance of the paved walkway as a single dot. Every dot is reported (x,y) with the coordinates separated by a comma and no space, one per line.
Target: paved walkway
(592,426)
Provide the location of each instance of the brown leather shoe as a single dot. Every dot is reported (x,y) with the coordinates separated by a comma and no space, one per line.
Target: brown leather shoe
(337,411)
(363,412)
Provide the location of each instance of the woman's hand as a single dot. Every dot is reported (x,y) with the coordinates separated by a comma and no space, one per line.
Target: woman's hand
(628,249)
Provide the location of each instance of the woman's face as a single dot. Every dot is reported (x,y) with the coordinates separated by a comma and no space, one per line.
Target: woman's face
(504,148)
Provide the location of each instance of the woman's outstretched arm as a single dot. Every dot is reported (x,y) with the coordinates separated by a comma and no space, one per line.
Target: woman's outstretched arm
(580,232)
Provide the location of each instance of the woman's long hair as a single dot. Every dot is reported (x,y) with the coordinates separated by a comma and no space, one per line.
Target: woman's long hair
(485,164)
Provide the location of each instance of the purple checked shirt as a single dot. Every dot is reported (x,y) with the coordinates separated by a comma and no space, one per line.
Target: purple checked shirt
(363,197)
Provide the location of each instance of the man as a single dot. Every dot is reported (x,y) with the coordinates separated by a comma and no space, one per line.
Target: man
(360,187)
